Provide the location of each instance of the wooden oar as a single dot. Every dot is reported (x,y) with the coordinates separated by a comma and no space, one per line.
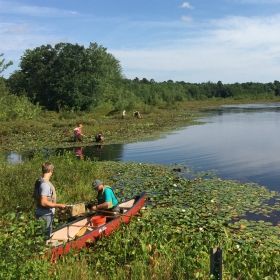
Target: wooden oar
(82,230)
(83,226)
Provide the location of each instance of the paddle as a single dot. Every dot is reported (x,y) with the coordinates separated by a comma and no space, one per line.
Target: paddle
(83,226)
(82,230)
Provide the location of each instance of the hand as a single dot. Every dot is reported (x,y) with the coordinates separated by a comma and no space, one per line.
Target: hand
(62,206)
(89,206)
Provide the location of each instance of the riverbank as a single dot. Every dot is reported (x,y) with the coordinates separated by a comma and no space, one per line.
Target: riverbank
(55,130)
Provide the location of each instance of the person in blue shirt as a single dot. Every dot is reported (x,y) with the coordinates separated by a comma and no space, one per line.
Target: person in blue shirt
(106,199)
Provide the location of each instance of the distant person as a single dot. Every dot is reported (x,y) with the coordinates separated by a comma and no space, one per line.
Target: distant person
(123,114)
(99,137)
(137,114)
(106,199)
(45,198)
(78,133)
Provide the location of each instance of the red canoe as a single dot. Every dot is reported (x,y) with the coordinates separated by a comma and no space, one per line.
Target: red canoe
(86,230)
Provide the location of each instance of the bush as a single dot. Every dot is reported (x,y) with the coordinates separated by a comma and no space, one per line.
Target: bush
(21,244)
(13,107)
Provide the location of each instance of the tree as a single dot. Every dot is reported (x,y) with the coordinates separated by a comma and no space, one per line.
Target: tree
(3,89)
(66,76)
(4,66)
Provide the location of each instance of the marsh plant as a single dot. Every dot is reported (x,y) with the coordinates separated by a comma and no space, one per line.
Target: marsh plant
(184,217)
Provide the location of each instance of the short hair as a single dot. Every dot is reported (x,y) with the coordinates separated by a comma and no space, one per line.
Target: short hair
(47,167)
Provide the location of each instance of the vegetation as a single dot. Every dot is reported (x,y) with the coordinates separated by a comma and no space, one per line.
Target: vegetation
(186,215)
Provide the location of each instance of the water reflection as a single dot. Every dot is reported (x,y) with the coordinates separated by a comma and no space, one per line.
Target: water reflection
(97,152)
(78,152)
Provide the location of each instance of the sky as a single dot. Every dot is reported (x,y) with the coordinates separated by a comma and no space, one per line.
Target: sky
(232,41)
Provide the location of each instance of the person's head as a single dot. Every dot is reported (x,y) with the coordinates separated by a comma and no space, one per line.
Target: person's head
(97,185)
(80,125)
(47,167)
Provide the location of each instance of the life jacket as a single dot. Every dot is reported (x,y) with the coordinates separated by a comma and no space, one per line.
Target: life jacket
(100,197)
(37,195)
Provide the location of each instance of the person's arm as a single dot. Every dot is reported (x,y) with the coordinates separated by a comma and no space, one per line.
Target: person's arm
(49,204)
(101,206)
(108,201)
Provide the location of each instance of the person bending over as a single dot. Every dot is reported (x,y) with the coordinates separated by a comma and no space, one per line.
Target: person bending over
(106,199)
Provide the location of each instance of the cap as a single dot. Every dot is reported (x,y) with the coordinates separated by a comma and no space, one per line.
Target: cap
(96,183)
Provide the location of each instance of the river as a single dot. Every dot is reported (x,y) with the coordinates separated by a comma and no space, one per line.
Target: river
(239,142)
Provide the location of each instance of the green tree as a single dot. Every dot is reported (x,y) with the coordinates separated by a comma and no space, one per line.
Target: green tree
(3,66)
(66,76)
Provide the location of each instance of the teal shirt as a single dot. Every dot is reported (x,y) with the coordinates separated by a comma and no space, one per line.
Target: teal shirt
(107,195)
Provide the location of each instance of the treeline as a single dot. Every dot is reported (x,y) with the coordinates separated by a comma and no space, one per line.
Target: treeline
(71,77)
(153,93)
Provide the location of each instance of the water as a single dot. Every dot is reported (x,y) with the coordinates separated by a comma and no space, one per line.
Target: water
(241,142)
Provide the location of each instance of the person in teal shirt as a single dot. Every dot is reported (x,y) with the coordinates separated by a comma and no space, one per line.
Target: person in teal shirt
(106,199)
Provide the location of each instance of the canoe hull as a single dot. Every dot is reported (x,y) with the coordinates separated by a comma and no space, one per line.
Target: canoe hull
(66,238)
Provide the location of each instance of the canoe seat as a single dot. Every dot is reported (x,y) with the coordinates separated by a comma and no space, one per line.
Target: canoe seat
(126,205)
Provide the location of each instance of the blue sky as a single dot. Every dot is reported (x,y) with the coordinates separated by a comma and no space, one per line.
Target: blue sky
(196,41)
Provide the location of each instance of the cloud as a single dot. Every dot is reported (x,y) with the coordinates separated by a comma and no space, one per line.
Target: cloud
(17,29)
(17,8)
(230,49)
(234,49)
(187,5)
(186,18)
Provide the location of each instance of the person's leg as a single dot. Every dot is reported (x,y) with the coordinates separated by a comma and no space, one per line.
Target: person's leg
(47,221)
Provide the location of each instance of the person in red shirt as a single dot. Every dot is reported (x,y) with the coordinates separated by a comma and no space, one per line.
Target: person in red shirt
(78,133)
